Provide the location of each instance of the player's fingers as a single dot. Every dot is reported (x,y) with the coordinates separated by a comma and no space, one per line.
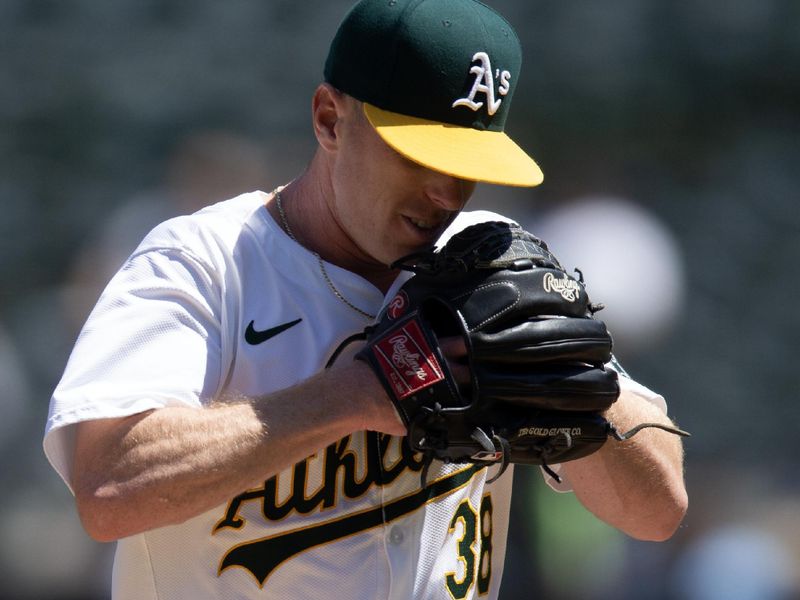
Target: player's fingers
(460,373)
(454,348)
(455,351)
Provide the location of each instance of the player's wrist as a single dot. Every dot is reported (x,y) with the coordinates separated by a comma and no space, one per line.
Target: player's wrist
(374,410)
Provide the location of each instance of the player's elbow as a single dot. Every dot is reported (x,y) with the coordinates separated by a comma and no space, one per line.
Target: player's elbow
(661,526)
(675,516)
(93,520)
(98,508)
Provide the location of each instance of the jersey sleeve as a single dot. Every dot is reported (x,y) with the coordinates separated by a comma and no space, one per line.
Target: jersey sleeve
(626,384)
(153,340)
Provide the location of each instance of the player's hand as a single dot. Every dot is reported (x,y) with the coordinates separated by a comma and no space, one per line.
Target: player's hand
(379,412)
(455,351)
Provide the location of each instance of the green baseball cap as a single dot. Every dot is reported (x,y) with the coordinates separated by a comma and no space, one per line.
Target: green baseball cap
(436,78)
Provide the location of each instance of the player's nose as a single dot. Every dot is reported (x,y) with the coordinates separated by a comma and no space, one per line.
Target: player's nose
(448,192)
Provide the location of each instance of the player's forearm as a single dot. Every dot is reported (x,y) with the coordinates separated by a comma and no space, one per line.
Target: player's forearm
(171,464)
(636,485)
(158,468)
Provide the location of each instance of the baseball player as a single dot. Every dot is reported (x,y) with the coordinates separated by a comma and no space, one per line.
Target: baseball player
(196,421)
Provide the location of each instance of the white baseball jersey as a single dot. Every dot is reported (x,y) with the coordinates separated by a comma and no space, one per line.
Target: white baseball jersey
(223,301)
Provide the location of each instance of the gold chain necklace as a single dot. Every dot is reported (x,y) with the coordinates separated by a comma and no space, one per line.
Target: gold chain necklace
(322,269)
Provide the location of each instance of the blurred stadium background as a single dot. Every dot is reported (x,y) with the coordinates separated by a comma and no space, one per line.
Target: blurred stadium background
(668,133)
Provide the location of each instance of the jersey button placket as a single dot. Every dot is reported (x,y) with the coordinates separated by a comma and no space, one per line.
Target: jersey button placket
(396,535)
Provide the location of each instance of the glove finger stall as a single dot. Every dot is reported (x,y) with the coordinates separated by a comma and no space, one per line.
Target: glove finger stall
(555,386)
(565,339)
(505,295)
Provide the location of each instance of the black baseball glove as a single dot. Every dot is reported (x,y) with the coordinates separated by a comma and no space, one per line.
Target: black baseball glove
(537,357)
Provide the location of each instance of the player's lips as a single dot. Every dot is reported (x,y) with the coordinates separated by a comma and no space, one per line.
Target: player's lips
(427,229)
(423,224)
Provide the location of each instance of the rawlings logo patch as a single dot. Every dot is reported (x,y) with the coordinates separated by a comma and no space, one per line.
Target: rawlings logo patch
(397,307)
(569,289)
(407,360)
(484,84)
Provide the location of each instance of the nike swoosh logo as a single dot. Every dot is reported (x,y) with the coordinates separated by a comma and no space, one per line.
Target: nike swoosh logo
(254,338)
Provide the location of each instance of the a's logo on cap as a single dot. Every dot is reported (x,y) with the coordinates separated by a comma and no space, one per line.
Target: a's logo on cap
(484,84)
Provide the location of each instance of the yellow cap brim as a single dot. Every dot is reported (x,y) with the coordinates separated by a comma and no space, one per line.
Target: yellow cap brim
(487,156)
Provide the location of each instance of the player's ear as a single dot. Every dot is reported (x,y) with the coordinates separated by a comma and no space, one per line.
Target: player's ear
(326,107)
